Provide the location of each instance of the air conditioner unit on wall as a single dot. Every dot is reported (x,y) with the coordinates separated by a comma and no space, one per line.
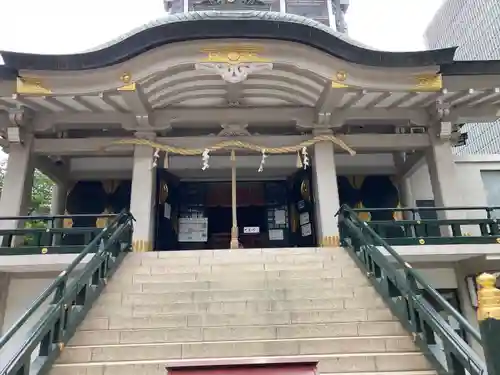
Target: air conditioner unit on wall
(418,130)
(411,130)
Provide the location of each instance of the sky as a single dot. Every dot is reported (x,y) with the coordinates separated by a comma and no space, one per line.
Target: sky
(62,26)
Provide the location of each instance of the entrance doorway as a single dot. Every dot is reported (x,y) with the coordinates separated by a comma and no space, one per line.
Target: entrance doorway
(193,215)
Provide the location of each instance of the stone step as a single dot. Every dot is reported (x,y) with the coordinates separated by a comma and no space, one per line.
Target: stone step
(110,308)
(200,350)
(158,284)
(216,320)
(257,263)
(241,333)
(164,273)
(381,363)
(242,255)
(235,269)
(285,294)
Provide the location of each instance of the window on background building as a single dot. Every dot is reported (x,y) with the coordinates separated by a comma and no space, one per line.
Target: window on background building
(491,181)
(310,9)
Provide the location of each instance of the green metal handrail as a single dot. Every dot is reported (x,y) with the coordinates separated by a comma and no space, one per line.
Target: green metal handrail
(27,233)
(47,240)
(415,210)
(52,217)
(418,231)
(404,297)
(71,301)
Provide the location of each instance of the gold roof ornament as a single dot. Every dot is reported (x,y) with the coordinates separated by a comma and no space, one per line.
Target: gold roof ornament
(428,83)
(234,54)
(31,86)
(341,76)
(339,79)
(129,85)
(488,297)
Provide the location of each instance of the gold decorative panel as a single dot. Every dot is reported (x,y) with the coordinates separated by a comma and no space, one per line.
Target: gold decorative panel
(428,83)
(30,85)
(234,54)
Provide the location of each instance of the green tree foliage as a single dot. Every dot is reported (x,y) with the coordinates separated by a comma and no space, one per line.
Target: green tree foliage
(41,197)
(41,194)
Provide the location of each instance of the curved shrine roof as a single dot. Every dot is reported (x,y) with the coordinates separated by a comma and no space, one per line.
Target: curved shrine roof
(221,25)
(201,25)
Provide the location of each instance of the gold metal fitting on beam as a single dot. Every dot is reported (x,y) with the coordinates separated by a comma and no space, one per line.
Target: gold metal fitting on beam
(428,83)
(338,81)
(488,297)
(234,54)
(129,85)
(31,86)
(340,76)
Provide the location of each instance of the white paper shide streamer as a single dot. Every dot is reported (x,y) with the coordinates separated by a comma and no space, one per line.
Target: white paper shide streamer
(205,158)
(156,156)
(262,161)
(305,158)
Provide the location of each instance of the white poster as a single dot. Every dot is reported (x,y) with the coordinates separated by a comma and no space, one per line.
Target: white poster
(251,230)
(304,218)
(167,211)
(279,217)
(276,235)
(306,230)
(193,229)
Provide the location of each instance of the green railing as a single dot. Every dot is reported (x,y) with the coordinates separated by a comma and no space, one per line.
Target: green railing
(46,235)
(403,288)
(414,230)
(68,301)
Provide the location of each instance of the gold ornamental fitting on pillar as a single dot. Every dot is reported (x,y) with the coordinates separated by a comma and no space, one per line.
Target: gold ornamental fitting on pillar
(488,297)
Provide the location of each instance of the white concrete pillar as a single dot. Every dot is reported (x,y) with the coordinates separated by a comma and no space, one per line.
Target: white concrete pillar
(18,183)
(446,185)
(444,178)
(406,197)
(4,292)
(326,194)
(58,202)
(142,200)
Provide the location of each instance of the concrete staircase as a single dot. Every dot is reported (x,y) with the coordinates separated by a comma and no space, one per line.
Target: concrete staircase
(173,308)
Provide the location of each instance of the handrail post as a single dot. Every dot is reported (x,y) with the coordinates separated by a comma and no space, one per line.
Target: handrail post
(412,293)
(488,315)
